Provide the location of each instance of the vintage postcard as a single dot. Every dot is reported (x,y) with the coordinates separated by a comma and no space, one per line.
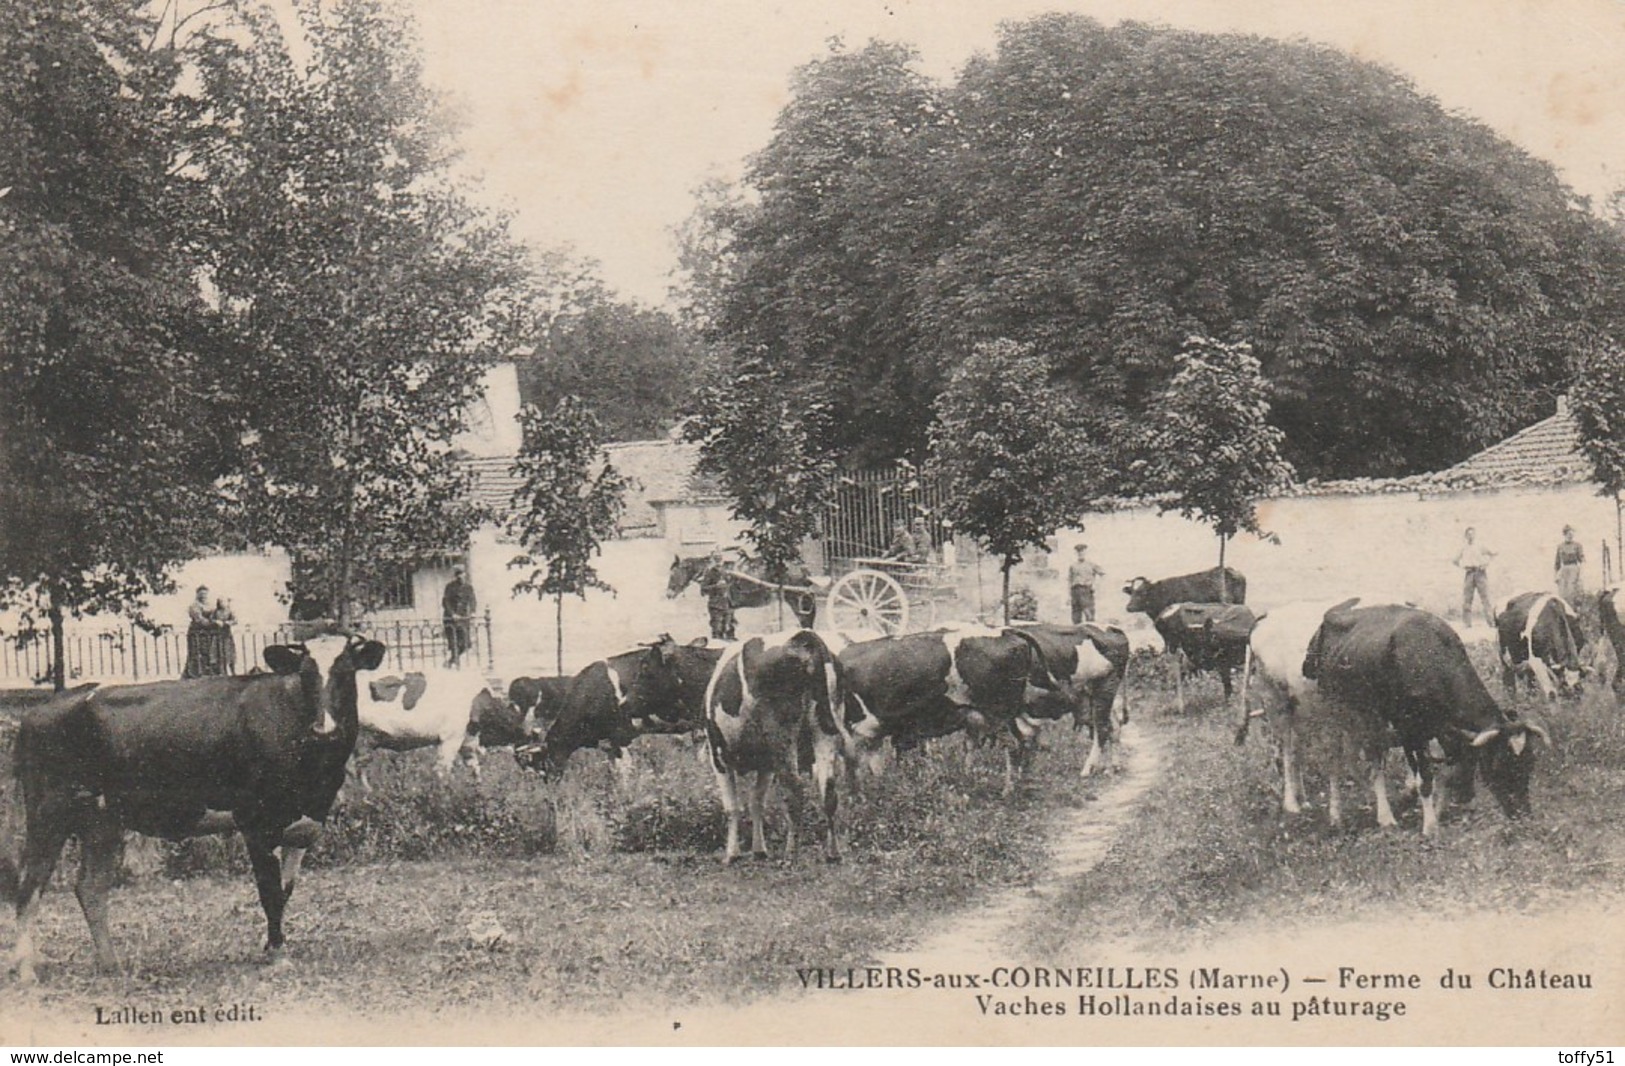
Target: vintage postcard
(1137,845)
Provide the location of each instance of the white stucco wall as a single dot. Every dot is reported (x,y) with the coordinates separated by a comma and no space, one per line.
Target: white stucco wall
(1329,545)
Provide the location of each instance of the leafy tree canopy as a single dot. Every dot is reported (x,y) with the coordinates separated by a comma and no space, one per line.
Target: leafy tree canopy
(766,442)
(1412,285)
(1597,398)
(569,500)
(632,367)
(1010,450)
(362,290)
(1211,448)
(107,454)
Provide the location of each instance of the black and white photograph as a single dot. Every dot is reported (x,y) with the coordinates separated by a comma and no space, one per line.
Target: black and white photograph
(559,523)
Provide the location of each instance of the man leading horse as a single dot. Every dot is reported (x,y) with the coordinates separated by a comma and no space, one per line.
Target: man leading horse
(745,584)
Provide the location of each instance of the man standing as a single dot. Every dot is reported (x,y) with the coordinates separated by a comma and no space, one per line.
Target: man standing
(1081,576)
(1566,567)
(717,588)
(1474,560)
(457,607)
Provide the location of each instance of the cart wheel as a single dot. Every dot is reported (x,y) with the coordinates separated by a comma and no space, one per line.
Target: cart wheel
(868,599)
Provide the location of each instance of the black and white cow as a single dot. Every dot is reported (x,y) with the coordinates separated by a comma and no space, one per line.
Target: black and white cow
(1078,670)
(659,688)
(1408,669)
(432,708)
(263,754)
(911,688)
(770,712)
(1541,639)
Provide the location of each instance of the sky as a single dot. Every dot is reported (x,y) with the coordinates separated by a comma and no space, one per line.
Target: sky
(592,121)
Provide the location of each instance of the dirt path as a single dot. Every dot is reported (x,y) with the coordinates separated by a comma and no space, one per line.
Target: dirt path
(971,940)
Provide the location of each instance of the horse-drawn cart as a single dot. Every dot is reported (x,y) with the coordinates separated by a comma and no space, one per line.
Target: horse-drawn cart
(885,595)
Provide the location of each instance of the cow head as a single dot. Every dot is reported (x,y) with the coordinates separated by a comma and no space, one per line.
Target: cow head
(657,687)
(1135,591)
(1506,759)
(326,667)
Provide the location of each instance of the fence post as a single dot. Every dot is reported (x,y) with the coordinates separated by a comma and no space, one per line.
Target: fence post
(135,657)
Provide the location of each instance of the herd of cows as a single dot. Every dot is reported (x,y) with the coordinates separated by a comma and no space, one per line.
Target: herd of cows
(266,755)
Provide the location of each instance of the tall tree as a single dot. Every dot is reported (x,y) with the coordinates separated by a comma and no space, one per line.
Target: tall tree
(767,444)
(1211,450)
(1413,284)
(568,502)
(109,444)
(362,290)
(1597,398)
(1011,452)
(816,266)
(633,367)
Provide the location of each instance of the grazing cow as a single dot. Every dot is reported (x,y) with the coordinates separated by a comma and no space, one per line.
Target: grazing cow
(660,688)
(1208,636)
(262,754)
(1614,630)
(534,704)
(1157,599)
(1540,636)
(1084,666)
(917,686)
(1408,669)
(770,710)
(430,708)
(1304,730)
(1151,598)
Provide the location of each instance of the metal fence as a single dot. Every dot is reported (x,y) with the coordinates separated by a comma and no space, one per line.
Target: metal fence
(866,505)
(130,653)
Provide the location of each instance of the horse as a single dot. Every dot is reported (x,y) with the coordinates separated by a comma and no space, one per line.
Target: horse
(749,585)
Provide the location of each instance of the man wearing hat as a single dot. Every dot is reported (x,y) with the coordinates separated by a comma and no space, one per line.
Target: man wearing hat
(1567,567)
(1081,576)
(457,607)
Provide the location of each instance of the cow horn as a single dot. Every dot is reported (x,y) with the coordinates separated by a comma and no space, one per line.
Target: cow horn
(1538,731)
(1481,739)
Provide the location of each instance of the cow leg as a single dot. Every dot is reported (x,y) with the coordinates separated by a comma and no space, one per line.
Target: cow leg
(101,847)
(757,799)
(41,850)
(1422,767)
(1179,679)
(792,800)
(1291,772)
(728,785)
(827,764)
(268,879)
(1100,744)
(1379,789)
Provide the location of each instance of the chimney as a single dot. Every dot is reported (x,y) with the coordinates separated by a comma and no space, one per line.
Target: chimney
(1563,405)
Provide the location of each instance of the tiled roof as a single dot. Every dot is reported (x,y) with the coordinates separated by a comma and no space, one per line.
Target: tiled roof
(1546,453)
(661,471)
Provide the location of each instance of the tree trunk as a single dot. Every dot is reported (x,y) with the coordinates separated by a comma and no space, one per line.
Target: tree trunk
(59,668)
(558,632)
(1224,578)
(1008,563)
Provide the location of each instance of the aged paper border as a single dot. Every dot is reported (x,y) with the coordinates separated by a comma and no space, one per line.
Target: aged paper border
(1587,938)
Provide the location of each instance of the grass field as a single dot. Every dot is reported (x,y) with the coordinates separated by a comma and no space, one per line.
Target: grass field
(606,891)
